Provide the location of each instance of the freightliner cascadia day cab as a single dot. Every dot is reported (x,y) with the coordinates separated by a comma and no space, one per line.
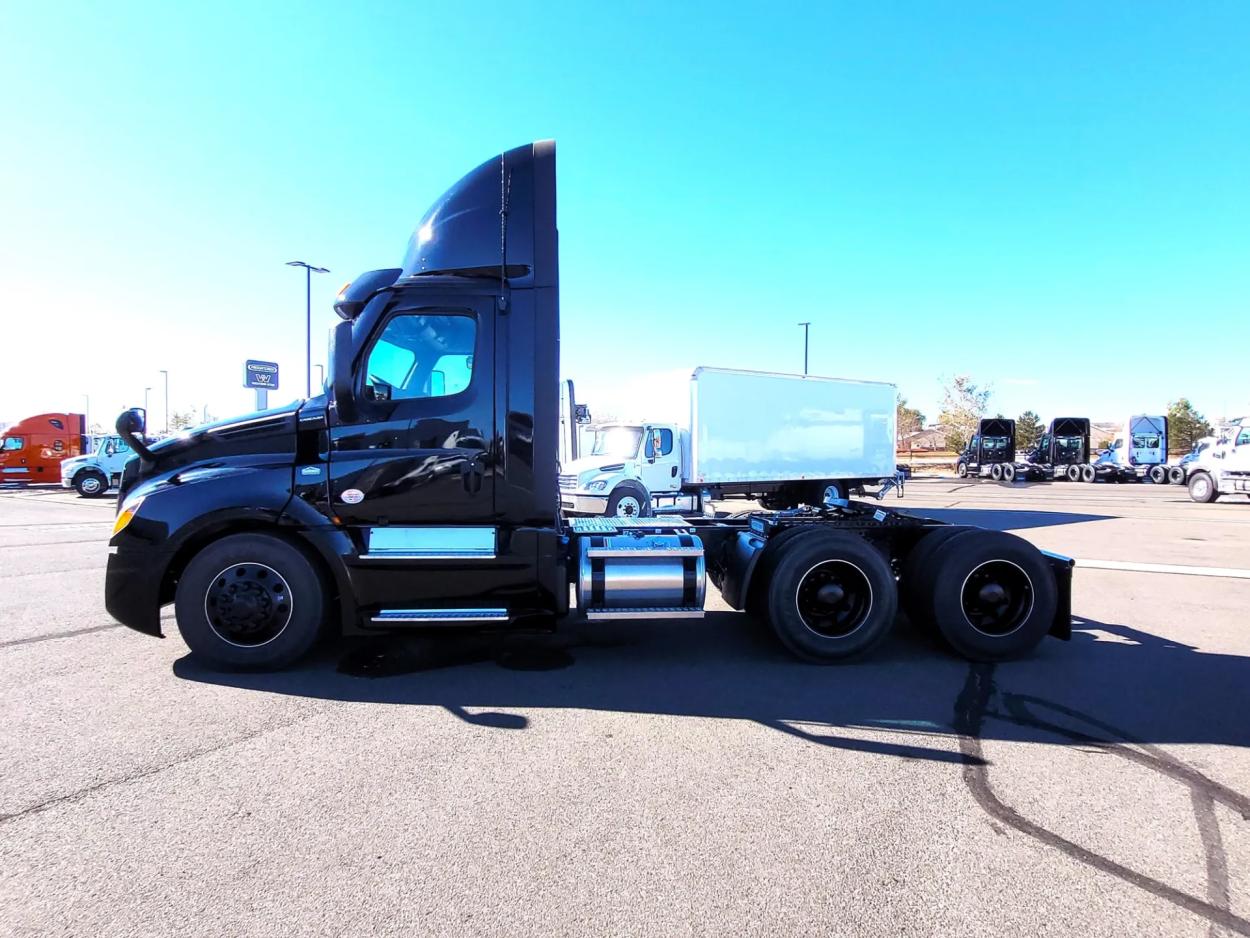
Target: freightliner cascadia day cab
(1063,452)
(32,449)
(786,440)
(991,451)
(420,491)
(1140,452)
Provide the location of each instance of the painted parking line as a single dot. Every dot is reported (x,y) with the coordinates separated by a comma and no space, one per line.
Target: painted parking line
(1233,572)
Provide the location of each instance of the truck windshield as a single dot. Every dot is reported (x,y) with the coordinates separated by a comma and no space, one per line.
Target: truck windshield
(13,442)
(621,442)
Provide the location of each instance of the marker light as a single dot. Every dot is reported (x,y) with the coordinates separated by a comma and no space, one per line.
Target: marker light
(127,513)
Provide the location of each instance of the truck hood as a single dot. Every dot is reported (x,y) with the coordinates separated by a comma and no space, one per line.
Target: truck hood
(262,436)
(593,463)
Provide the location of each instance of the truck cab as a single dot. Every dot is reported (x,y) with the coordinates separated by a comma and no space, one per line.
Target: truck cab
(93,474)
(420,490)
(31,450)
(990,451)
(627,465)
(1222,467)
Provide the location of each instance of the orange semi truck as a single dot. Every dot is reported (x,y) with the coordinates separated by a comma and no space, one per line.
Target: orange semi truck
(32,449)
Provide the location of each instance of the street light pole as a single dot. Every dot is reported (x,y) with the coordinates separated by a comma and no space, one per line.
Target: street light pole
(166,374)
(87,415)
(805,326)
(321,375)
(145,410)
(309,270)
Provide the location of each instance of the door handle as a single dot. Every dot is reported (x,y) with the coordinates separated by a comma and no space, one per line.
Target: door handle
(471,474)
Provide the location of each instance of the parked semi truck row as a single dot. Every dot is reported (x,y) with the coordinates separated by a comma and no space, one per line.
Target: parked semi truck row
(31,450)
(785,440)
(1064,453)
(420,491)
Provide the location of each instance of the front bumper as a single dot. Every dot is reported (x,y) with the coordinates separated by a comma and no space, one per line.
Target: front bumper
(132,584)
(583,504)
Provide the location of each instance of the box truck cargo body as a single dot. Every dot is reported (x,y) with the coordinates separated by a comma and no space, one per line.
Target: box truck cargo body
(785,439)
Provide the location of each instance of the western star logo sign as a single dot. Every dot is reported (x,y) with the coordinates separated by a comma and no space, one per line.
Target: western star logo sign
(258,374)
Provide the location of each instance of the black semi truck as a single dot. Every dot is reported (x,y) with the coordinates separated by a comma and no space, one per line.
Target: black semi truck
(420,491)
(990,451)
(1063,452)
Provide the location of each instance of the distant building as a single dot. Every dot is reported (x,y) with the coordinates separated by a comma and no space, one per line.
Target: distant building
(930,439)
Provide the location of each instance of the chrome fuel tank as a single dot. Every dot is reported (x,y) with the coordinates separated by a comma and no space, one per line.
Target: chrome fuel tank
(640,573)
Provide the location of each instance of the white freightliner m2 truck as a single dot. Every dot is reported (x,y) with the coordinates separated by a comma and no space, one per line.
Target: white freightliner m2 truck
(1222,467)
(786,440)
(93,474)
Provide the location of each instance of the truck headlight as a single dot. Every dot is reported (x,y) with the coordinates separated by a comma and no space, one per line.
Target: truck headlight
(597,486)
(127,513)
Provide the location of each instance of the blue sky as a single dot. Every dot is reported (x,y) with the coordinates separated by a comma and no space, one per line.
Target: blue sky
(1052,198)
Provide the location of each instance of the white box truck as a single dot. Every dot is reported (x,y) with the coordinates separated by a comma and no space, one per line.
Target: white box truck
(783,439)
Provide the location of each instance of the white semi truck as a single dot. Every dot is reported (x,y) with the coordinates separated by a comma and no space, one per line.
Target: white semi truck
(1140,451)
(1223,467)
(94,474)
(785,440)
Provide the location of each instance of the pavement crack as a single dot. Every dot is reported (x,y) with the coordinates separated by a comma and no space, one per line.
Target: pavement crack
(82,793)
(70,634)
(971,709)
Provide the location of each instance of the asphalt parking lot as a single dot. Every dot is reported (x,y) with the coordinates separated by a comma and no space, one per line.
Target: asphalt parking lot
(645,778)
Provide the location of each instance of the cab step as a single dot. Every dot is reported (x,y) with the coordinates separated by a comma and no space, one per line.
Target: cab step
(393,617)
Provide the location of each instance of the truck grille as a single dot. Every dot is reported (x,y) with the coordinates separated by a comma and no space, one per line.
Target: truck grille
(568,481)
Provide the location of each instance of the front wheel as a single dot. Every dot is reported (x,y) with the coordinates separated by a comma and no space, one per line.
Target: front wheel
(1202,488)
(961,469)
(250,601)
(629,501)
(91,484)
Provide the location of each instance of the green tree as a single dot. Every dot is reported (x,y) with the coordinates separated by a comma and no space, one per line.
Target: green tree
(1185,426)
(182,419)
(1029,430)
(909,419)
(963,406)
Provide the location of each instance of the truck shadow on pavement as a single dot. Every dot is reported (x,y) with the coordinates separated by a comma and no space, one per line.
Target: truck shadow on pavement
(1004,519)
(1113,690)
(727,666)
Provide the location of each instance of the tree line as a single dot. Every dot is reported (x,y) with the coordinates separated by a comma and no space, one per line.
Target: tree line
(965,404)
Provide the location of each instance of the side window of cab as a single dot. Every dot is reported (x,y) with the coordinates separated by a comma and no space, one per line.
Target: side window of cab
(420,355)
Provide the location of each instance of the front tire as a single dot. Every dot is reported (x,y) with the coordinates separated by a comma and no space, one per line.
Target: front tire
(1202,488)
(831,596)
(90,484)
(629,501)
(250,602)
(961,469)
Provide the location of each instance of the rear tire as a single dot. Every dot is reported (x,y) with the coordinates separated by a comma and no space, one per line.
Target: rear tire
(831,596)
(1009,472)
(991,594)
(1176,475)
(250,602)
(1202,488)
(1159,475)
(1088,473)
(996,472)
(913,583)
(90,483)
(1074,473)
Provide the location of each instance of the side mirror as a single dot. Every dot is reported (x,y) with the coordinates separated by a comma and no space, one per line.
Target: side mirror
(130,426)
(341,372)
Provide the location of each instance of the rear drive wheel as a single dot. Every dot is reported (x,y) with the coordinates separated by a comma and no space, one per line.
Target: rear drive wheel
(1009,472)
(991,594)
(1159,475)
(1202,487)
(912,583)
(1088,473)
(629,501)
(831,596)
(90,484)
(1074,473)
(250,601)
(1176,475)
(996,472)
